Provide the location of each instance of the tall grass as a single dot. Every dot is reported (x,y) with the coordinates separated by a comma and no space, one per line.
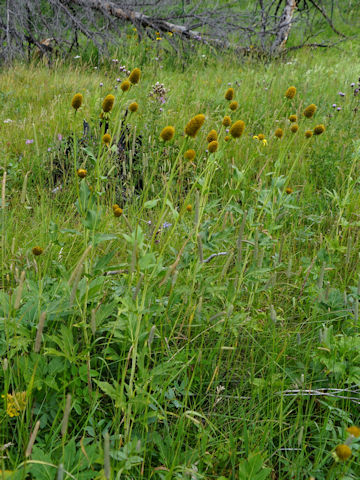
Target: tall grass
(217,341)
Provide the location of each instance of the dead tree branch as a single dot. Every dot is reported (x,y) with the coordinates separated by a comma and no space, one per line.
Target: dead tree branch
(284,26)
(321,9)
(263,28)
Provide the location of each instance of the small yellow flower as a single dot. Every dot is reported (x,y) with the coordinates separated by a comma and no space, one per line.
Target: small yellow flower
(343,452)
(288,190)
(279,133)
(354,431)
(170,34)
(82,173)
(167,133)
(310,110)
(134,76)
(213,146)
(125,85)
(234,105)
(158,38)
(189,208)
(77,101)
(108,103)
(227,138)
(308,134)
(319,129)
(106,139)
(293,118)
(37,251)
(115,206)
(290,93)
(229,94)
(118,212)
(294,128)
(212,135)
(133,107)
(190,154)
(237,129)
(15,403)
(194,125)
(226,121)
(264,142)
(261,136)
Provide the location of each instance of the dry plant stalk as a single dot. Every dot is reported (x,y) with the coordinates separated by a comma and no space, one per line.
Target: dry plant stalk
(39,332)
(32,439)
(65,420)
(20,290)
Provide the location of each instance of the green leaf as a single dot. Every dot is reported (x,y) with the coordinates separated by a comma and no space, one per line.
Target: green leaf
(151,203)
(92,219)
(103,237)
(147,261)
(252,468)
(173,211)
(103,262)
(84,195)
(110,391)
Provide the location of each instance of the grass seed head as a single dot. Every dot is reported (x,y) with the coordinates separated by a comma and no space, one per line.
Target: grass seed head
(310,110)
(77,101)
(290,93)
(343,452)
(279,133)
(167,133)
(237,129)
(134,76)
(213,146)
(226,121)
(125,85)
(133,107)
(106,139)
(37,251)
(355,431)
(229,94)
(118,212)
(319,129)
(212,135)
(194,125)
(108,103)
(190,154)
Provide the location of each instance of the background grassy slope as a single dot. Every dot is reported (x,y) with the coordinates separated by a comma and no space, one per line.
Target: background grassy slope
(193,370)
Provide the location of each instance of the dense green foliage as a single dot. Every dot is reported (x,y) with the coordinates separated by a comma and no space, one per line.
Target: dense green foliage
(217,341)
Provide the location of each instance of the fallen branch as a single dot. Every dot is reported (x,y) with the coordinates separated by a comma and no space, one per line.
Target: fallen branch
(138,18)
(317,45)
(213,255)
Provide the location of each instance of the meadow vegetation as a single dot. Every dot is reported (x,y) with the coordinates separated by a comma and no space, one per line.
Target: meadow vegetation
(181,306)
